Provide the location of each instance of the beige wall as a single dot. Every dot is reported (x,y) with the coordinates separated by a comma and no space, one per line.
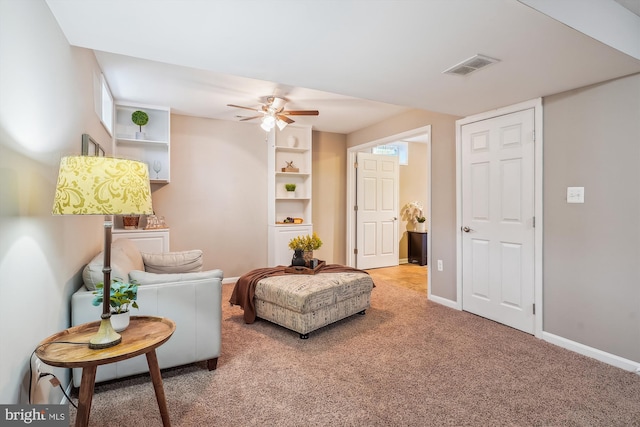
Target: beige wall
(217,198)
(414,184)
(443,188)
(329,195)
(592,250)
(46,104)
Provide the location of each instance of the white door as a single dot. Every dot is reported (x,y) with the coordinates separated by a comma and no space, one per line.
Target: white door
(497,168)
(377,215)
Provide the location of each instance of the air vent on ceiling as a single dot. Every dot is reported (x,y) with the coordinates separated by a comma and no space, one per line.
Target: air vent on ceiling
(470,65)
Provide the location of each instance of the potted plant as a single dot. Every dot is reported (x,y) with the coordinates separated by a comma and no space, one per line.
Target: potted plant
(307,244)
(421,225)
(291,190)
(122,296)
(140,118)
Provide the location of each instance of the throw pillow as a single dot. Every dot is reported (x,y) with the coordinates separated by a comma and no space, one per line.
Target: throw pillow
(124,258)
(173,262)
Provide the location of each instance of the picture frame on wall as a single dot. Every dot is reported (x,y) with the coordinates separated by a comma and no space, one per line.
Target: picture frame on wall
(90,147)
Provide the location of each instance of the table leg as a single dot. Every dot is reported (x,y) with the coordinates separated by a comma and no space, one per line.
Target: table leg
(85,395)
(154,370)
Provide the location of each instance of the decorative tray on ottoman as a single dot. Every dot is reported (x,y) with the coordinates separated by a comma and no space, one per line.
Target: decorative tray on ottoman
(303,270)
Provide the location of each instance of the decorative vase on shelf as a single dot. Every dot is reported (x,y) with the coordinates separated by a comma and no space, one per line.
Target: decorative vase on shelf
(120,321)
(130,222)
(421,227)
(291,190)
(292,141)
(140,118)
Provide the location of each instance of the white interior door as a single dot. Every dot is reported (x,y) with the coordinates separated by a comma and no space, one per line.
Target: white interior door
(497,165)
(377,179)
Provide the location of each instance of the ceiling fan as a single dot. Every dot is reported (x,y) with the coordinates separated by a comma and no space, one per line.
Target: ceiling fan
(273,113)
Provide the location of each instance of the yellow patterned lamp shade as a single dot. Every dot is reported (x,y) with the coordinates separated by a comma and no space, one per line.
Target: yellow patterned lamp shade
(89,185)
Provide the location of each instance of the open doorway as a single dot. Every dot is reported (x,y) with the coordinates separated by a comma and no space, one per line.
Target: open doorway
(415,185)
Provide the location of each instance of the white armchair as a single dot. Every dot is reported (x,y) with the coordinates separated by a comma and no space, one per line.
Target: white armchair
(170,285)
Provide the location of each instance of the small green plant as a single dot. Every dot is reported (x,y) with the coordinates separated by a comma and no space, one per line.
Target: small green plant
(140,118)
(122,295)
(305,243)
(290,187)
(421,219)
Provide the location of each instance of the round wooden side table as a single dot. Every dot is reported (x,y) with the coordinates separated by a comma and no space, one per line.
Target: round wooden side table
(143,336)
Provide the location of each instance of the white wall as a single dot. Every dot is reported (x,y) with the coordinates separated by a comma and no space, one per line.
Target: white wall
(46,103)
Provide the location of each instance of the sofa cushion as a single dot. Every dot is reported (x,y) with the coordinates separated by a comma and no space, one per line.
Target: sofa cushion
(173,262)
(146,278)
(125,257)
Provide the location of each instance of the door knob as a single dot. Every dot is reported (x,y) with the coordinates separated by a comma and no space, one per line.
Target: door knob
(466,229)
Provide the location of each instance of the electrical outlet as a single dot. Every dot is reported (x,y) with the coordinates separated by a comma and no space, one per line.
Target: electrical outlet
(440,267)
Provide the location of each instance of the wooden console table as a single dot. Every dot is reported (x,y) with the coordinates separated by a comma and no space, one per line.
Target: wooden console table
(143,336)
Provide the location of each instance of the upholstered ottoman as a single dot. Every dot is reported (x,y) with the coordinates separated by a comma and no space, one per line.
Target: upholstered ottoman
(304,303)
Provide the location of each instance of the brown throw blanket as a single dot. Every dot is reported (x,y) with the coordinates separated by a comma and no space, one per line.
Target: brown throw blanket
(245,287)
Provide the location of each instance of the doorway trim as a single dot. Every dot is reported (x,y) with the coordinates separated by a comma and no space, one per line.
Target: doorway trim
(536,104)
(351,191)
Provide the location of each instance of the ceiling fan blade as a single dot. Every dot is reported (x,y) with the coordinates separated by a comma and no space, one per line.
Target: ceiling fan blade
(284,119)
(240,106)
(249,118)
(301,112)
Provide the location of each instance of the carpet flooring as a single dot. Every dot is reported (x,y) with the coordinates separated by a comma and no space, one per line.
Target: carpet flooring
(407,362)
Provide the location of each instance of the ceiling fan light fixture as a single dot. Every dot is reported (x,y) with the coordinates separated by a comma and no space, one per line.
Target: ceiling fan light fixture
(273,114)
(268,122)
(281,124)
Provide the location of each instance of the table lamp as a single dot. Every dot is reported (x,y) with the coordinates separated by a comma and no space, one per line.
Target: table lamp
(89,185)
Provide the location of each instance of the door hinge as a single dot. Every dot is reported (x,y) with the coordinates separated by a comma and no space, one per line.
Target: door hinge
(533,135)
(355,251)
(355,165)
(355,208)
(534,222)
(534,308)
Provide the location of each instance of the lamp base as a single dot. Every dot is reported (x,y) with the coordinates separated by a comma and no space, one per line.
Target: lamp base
(105,337)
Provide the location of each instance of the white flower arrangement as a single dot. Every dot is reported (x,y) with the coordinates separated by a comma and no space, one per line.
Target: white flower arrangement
(412,211)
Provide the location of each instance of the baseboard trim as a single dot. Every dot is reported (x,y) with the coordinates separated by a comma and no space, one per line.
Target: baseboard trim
(228,280)
(68,390)
(444,301)
(594,353)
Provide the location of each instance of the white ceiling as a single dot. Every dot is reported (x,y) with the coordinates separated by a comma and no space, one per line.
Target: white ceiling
(357,61)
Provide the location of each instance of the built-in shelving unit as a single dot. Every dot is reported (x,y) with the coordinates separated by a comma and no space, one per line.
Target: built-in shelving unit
(292,144)
(153,147)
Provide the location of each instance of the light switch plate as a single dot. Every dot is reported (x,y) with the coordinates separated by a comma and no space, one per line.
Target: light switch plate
(575,194)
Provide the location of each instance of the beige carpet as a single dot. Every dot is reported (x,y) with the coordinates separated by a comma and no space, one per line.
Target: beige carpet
(407,362)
